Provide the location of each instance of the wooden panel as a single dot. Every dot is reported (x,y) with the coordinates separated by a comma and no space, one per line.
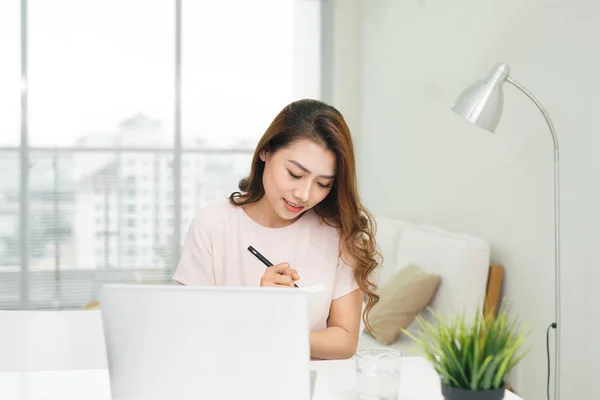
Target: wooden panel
(494,288)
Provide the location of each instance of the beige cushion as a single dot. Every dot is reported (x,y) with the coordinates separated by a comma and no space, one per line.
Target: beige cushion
(402,298)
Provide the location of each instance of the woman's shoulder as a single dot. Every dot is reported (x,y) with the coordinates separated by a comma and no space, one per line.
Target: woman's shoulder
(215,213)
(322,228)
(328,232)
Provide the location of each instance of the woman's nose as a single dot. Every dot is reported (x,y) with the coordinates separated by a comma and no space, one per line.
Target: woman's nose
(302,193)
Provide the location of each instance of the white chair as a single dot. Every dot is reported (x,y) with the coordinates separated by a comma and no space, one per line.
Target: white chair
(51,341)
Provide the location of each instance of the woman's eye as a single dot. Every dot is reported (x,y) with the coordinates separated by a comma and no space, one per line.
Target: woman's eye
(325,186)
(293,176)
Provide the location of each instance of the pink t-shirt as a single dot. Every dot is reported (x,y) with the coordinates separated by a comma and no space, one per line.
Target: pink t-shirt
(215,252)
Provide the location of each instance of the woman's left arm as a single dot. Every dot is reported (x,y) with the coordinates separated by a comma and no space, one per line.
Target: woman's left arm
(340,339)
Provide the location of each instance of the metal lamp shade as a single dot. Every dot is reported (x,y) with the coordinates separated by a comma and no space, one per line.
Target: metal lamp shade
(482,102)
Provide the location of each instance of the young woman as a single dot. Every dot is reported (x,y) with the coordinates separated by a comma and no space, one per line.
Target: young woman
(299,208)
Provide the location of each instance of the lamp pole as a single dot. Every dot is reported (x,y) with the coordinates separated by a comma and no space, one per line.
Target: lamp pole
(556,233)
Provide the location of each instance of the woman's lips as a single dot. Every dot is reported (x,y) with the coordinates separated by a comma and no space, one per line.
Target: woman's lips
(292,207)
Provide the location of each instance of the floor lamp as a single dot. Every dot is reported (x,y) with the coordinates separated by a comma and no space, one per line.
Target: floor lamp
(481,104)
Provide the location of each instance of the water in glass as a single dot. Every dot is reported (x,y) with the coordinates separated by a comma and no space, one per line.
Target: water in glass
(378,374)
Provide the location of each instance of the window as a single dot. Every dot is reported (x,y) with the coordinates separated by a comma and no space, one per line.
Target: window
(10,73)
(10,243)
(106,193)
(10,103)
(101,73)
(266,55)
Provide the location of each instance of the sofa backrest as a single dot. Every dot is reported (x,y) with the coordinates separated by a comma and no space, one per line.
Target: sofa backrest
(462,261)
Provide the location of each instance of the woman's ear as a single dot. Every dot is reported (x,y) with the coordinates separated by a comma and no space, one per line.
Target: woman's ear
(263,155)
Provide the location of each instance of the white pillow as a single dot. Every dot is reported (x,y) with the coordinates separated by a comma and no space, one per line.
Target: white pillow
(387,238)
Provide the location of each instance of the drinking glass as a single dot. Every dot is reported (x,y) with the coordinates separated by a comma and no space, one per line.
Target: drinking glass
(378,374)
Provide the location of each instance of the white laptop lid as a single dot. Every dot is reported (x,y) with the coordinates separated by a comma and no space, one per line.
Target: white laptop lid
(184,342)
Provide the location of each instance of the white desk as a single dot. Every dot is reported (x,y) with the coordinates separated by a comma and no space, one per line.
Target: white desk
(335,380)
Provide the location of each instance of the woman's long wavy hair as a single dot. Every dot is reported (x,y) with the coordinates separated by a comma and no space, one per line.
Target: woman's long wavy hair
(322,123)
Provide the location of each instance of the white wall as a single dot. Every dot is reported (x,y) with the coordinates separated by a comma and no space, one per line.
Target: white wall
(420,162)
(342,59)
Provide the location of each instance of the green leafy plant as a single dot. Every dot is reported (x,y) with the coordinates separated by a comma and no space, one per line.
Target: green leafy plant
(474,355)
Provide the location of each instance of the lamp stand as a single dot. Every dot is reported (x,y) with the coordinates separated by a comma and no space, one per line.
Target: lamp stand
(556,235)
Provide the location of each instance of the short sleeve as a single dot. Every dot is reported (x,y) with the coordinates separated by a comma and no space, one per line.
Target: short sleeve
(196,264)
(344,280)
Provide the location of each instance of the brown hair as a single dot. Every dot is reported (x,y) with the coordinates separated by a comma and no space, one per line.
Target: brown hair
(322,123)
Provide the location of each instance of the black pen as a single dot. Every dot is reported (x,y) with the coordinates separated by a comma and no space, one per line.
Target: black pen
(262,258)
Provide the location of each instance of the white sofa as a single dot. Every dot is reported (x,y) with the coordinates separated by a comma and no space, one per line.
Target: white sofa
(463,262)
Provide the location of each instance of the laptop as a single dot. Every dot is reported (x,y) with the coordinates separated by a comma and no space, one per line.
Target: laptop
(191,342)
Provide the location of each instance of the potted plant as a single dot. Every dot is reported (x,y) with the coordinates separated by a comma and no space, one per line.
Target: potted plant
(472,357)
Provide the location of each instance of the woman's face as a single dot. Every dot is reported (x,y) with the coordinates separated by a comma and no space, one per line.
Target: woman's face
(298,177)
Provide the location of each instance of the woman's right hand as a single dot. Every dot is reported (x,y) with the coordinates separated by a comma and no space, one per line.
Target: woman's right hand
(279,275)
